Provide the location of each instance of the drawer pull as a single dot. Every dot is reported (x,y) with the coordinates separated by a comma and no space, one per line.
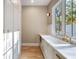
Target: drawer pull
(58,56)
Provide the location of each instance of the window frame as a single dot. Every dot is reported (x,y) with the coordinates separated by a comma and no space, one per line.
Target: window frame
(60,30)
(63,20)
(71,20)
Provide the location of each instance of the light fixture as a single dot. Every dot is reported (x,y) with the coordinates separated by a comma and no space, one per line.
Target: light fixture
(32,1)
(48,14)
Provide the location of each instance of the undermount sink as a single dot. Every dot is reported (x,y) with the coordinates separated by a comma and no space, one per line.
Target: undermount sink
(67,50)
(53,40)
(64,46)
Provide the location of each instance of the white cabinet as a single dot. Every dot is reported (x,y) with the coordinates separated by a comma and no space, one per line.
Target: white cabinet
(12,29)
(48,51)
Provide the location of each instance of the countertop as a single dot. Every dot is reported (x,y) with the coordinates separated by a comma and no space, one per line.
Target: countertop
(64,48)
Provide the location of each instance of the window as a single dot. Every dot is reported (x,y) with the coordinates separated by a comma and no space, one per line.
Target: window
(70,21)
(58,19)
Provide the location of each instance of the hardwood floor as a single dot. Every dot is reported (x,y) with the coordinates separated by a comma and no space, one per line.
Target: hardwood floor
(31,53)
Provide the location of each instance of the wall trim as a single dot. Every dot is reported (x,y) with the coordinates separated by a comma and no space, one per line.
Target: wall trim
(30,44)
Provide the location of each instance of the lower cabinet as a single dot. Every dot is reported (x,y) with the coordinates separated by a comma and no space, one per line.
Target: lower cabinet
(48,51)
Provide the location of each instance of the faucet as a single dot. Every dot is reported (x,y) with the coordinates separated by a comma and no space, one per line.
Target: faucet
(67,38)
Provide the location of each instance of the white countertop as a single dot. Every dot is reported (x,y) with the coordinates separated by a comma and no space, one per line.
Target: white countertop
(67,50)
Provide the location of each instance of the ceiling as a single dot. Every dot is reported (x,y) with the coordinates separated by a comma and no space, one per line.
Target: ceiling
(35,2)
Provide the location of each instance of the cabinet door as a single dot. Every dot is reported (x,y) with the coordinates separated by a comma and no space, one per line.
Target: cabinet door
(48,51)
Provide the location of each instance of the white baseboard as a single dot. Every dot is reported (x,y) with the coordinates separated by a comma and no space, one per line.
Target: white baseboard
(30,44)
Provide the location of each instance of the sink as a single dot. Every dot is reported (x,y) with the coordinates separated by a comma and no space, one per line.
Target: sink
(64,46)
(53,40)
(66,49)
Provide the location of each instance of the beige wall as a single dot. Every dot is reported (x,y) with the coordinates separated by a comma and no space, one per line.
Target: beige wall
(34,22)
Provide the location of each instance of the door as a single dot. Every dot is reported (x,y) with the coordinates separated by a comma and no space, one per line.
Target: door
(7,25)
(11,30)
(17,30)
(8,29)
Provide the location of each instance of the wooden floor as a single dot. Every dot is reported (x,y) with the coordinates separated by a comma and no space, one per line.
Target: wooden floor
(31,53)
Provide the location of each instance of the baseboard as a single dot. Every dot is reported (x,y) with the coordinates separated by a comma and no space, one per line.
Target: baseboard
(30,44)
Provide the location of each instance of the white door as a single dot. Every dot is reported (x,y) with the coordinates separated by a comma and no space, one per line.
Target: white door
(16,30)
(11,30)
(8,29)
(16,37)
(7,25)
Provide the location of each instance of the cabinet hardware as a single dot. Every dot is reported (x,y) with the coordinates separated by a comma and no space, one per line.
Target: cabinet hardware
(58,56)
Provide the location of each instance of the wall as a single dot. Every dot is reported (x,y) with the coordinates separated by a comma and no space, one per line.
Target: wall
(34,22)
(51,18)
